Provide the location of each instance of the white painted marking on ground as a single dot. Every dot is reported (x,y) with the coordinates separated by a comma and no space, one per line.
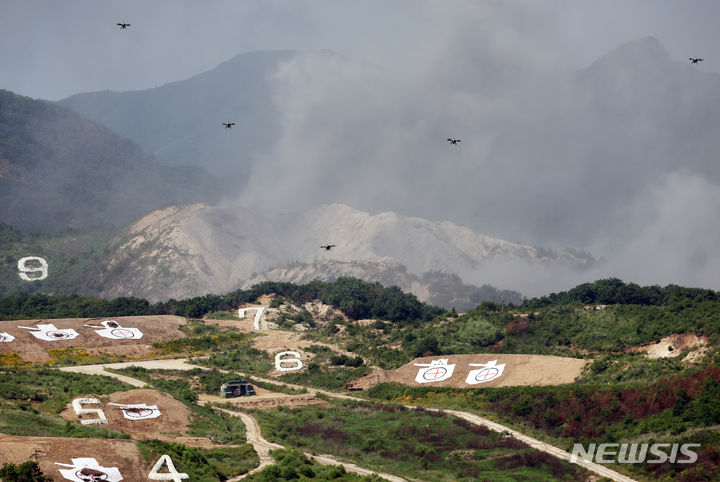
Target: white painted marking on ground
(258,314)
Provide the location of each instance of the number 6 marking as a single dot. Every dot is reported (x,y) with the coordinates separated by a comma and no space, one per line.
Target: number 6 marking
(294,361)
(23,268)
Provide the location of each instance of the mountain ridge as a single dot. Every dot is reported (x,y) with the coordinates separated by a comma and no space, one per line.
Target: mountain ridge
(60,170)
(184,251)
(180,122)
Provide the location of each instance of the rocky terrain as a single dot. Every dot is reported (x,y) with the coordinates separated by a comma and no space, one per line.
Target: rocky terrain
(188,251)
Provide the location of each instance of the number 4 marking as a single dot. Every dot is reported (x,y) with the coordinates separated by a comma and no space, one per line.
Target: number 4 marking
(171,474)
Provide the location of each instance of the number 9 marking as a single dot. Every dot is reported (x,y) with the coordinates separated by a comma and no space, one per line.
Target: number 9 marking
(24,269)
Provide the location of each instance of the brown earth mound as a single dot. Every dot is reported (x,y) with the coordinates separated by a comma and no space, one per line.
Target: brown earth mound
(517,370)
(30,348)
(265,400)
(122,454)
(672,346)
(170,425)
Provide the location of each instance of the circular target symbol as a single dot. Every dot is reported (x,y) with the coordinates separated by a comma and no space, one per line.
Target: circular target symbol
(90,475)
(58,334)
(138,412)
(434,373)
(122,333)
(486,374)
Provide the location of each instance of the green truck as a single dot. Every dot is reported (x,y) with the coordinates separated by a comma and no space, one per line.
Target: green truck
(236,388)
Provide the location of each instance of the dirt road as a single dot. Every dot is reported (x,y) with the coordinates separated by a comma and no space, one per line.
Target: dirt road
(263,448)
(179,364)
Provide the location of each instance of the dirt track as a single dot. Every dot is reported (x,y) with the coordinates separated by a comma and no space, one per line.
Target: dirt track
(263,448)
(475,419)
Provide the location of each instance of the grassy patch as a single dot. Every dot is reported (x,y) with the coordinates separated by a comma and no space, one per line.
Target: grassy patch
(202,465)
(193,345)
(675,410)
(218,427)
(325,376)
(293,464)
(411,443)
(30,401)
(74,355)
(222,315)
(243,358)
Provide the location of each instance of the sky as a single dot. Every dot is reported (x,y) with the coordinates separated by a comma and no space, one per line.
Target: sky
(52,49)
(541,162)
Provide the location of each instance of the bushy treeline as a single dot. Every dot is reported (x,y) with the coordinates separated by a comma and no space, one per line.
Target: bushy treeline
(357,299)
(26,472)
(613,291)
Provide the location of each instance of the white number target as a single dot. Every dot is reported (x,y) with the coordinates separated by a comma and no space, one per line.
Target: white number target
(87,469)
(295,361)
(49,332)
(258,314)
(435,371)
(79,410)
(139,411)
(112,329)
(171,474)
(490,371)
(32,264)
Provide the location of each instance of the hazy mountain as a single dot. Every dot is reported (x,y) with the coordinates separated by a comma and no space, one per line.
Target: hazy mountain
(188,251)
(433,287)
(181,122)
(59,170)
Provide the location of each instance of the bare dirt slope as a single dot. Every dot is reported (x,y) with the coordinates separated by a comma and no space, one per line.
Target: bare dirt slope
(122,454)
(673,345)
(170,426)
(30,348)
(265,400)
(518,370)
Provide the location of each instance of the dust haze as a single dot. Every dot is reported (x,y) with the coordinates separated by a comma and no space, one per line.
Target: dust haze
(583,125)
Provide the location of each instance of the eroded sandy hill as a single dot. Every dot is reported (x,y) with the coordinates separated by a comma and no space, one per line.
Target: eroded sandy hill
(31,348)
(47,451)
(517,370)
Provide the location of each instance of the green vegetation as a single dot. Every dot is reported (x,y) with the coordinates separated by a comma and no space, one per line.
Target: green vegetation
(356,298)
(201,338)
(412,443)
(61,170)
(613,291)
(74,260)
(202,465)
(242,358)
(328,370)
(210,382)
(26,472)
(36,306)
(216,426)
(222,315)
(51,390)
(30,401)
(293,464)
(676,410)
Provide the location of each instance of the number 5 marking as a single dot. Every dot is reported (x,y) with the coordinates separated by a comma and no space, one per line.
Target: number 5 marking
(79,410)
(24,269)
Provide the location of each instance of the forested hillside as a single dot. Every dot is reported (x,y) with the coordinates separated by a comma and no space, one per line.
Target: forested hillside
(59,170)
